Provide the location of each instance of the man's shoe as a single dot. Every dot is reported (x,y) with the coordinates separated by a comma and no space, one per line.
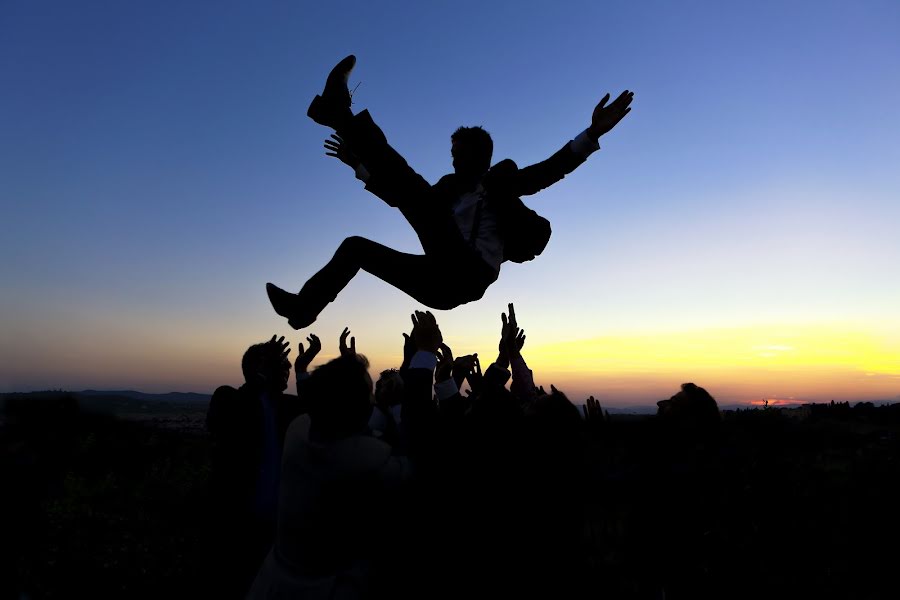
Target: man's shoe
(289,306)
(334,103)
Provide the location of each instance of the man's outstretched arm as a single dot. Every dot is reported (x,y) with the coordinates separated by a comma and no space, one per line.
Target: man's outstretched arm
(533,179)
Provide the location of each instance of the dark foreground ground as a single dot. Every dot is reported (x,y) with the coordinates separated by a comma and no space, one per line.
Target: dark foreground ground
(798,504)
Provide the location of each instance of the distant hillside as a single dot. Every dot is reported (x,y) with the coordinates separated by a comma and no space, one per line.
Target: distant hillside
(174,397)
(126,404)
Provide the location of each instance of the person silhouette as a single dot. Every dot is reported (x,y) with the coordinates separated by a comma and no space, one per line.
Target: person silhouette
(468,223)
(247,428)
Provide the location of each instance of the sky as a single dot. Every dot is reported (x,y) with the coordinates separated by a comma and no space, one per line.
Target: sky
(738,229)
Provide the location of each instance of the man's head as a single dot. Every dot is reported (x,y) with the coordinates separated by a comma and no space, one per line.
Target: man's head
(340,396)
(266,366)
(389,388)
(471,148)
(692,404)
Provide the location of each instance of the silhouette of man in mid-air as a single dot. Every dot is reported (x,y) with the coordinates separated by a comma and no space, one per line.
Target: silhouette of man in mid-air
(468,223)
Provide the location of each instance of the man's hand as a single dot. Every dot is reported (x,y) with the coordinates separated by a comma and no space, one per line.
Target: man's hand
(342,345)
(426,332)
(593,413)
(305,357)
(509,332)
(462,366)
(444,364)
(606,117)
(475,377)
(278,349)
(337,148)
(409,348)
(513,337)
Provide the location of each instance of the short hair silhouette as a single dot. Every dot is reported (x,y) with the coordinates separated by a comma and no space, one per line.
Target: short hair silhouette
(692,404)
(339,395)
(389,387)
(265,359)
(474,148)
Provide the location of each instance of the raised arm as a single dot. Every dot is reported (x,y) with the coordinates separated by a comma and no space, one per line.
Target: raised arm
(534,178)
(303,360)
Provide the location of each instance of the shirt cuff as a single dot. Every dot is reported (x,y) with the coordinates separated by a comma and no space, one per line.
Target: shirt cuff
(362,174)
(423,360)
(445,389)
(583,145)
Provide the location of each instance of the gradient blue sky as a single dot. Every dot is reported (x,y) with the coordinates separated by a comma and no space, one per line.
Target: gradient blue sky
(157,168)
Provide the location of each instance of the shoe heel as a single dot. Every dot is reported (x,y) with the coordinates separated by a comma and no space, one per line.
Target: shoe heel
(317,111)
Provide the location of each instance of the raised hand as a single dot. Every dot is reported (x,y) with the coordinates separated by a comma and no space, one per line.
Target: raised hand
(342,345)
(462,366)
(337,148)
(511,337)
(278,349)
(305,357)
(475,377)
(606,117)
(520,340)
(502,348)
(409,347)
(444,364)
(593,412)
(426,332)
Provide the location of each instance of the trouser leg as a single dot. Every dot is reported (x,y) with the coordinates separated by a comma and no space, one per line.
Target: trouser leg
(434,282)
(368,142)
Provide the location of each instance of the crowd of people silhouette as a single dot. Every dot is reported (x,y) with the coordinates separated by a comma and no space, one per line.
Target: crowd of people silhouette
(439,469)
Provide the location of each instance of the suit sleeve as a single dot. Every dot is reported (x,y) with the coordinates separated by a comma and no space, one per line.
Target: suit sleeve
(537,177)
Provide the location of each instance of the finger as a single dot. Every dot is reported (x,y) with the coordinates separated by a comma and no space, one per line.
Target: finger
(503,319)
(512,312)
(603,101)
(585,410)
(353,344)
(337,138)
(300,350)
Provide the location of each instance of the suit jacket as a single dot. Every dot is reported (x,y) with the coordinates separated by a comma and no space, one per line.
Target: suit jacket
(525,233)
(235,424)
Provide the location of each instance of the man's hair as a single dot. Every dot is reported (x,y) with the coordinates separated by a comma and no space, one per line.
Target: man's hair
(339,396)
(692,404)
(477,140)
(251,358)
